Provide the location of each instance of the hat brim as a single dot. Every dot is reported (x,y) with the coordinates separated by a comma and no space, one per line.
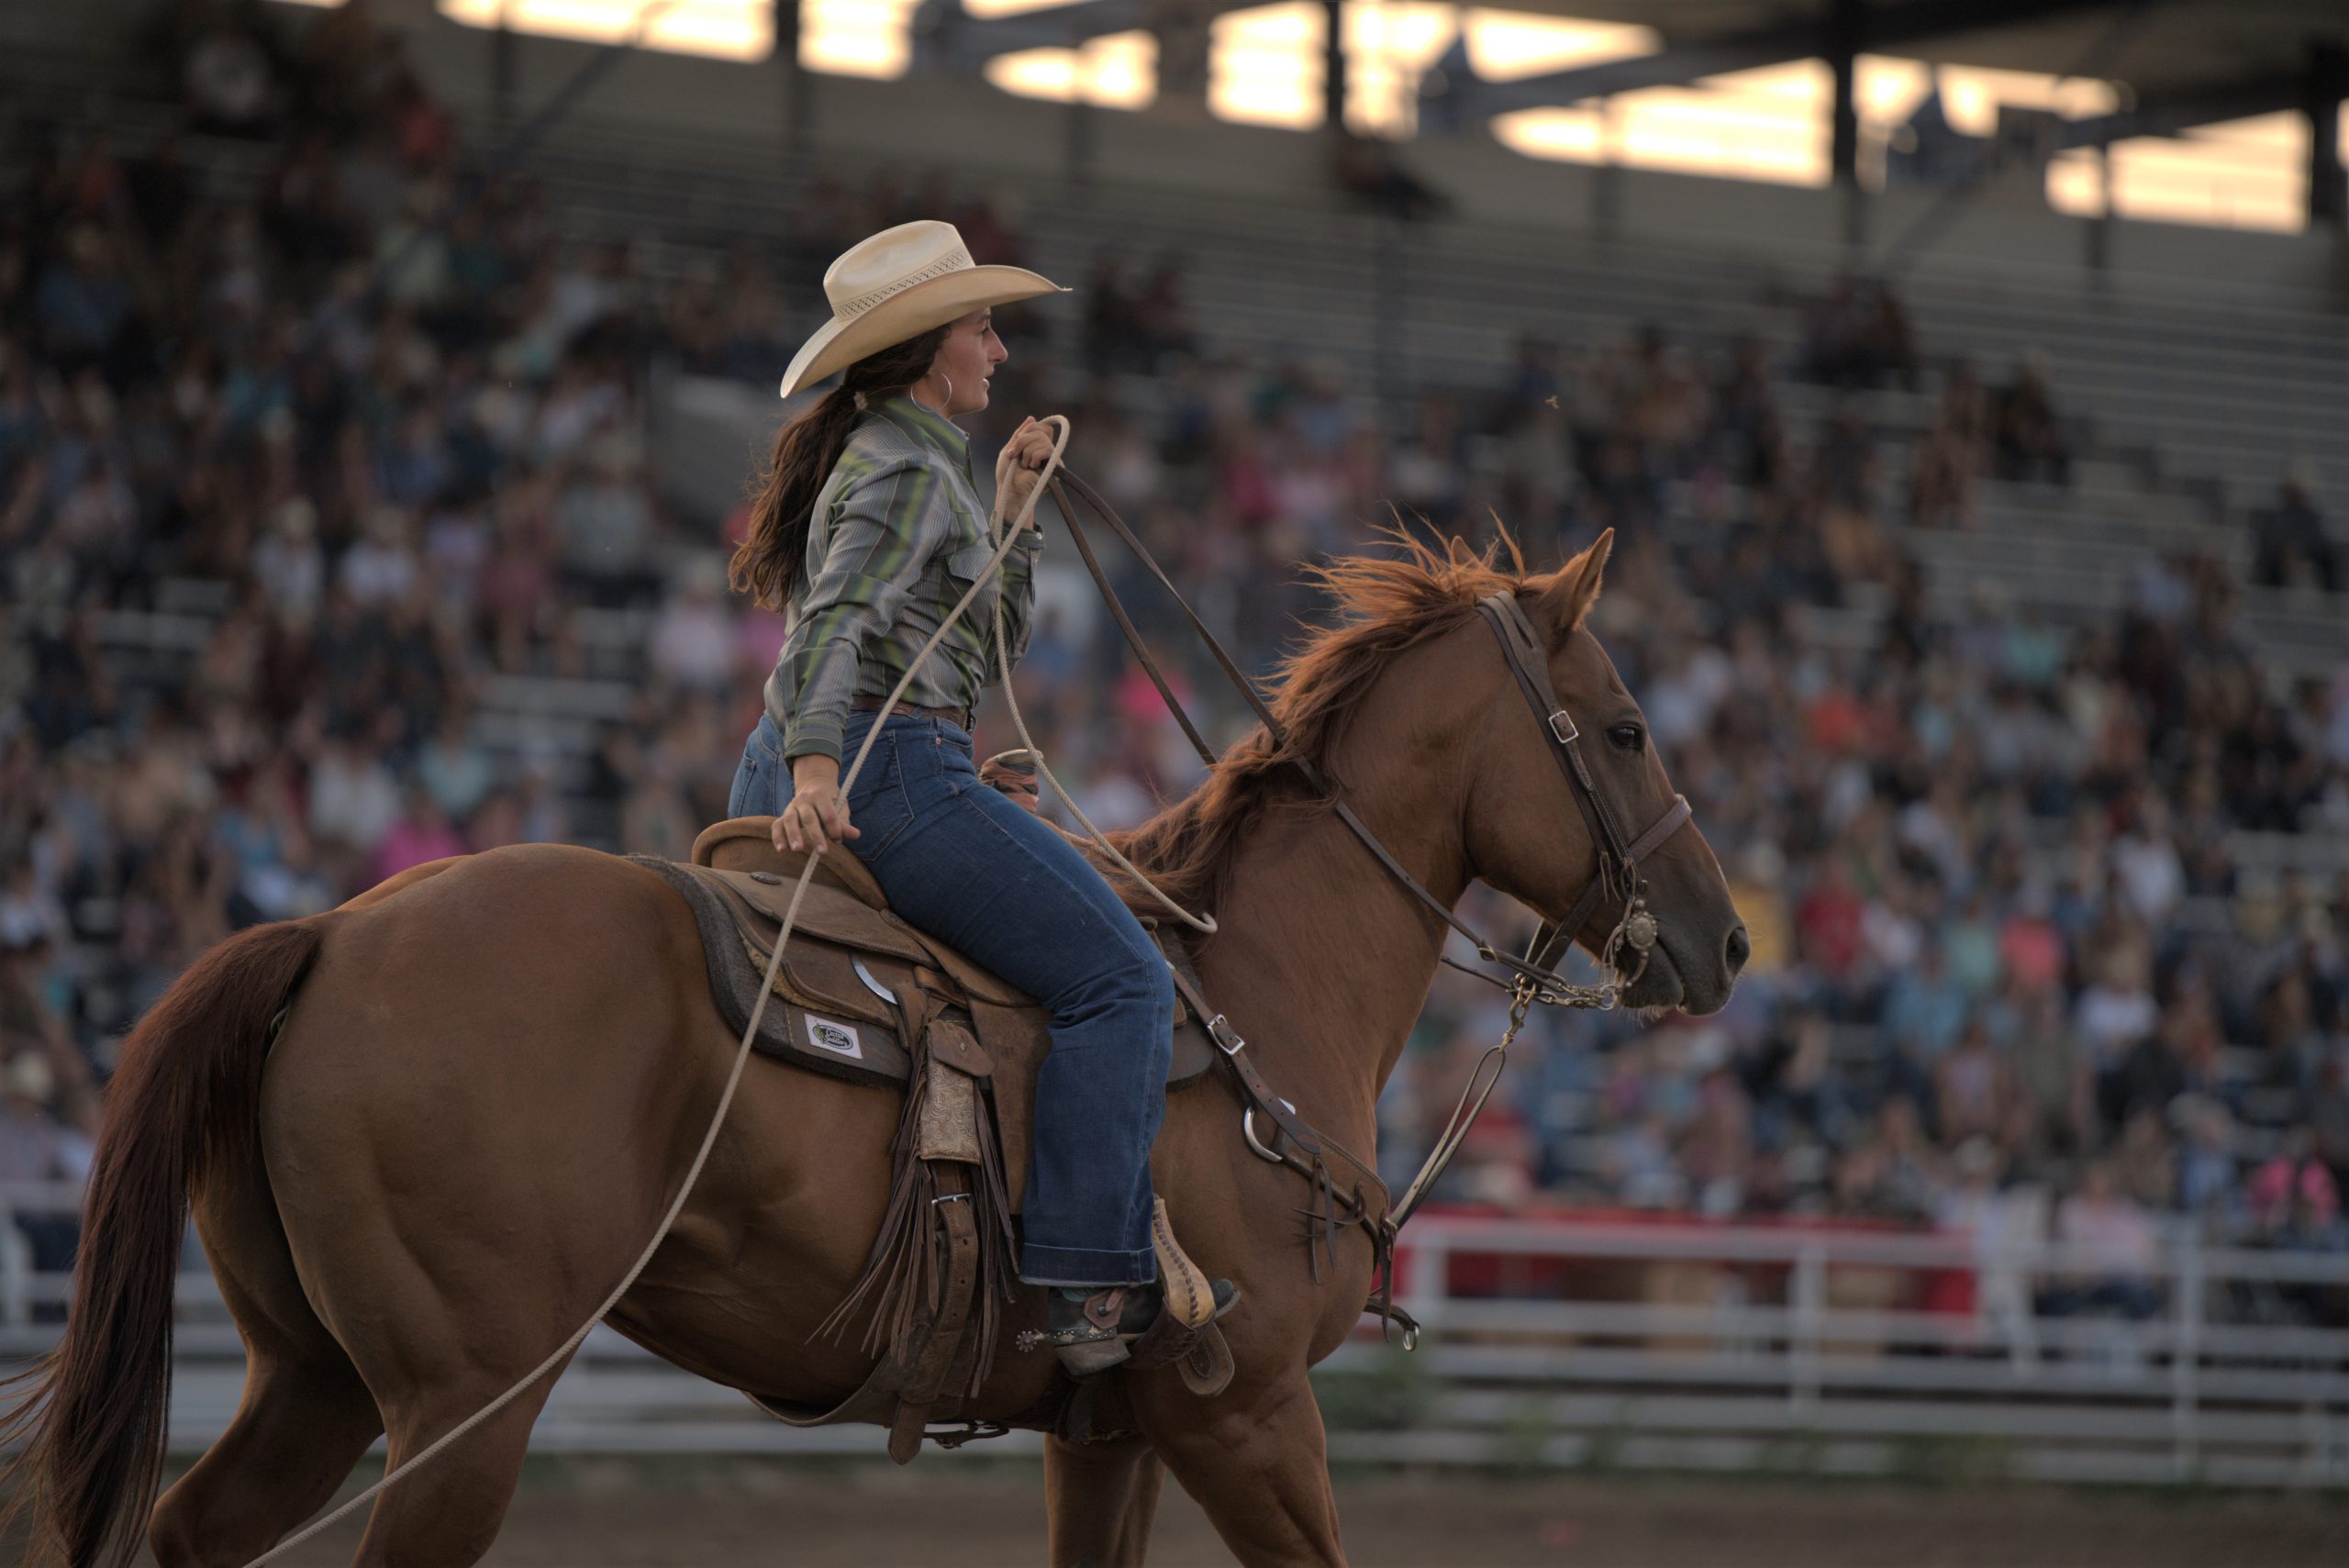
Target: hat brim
(839,344)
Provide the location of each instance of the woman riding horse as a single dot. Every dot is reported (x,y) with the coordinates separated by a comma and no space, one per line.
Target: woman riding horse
(867,528)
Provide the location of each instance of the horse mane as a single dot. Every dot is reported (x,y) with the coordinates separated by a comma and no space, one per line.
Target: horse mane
(1386,603)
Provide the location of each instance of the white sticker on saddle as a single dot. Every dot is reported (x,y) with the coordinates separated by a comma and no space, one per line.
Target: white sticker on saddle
(838,1039)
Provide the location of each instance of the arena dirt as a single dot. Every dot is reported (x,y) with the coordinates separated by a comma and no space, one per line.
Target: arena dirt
(973,1513)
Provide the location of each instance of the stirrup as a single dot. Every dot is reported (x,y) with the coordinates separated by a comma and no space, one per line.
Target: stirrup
(1190,1299)
(1099,1332)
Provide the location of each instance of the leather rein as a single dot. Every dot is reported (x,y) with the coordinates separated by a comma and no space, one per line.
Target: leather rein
(1530,979)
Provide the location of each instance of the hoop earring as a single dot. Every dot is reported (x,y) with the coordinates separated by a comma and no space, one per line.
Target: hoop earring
(948,401)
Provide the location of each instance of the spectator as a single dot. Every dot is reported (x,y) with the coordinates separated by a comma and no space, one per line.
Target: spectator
(453,768)
(2292,1199)
(693,641)
(2026,432)
(2117,1249)
(1366,168)
(352,795)
(33,1149)
(2291,546)
(2001,919)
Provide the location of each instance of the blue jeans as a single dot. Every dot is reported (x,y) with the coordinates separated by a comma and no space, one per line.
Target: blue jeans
(989,879)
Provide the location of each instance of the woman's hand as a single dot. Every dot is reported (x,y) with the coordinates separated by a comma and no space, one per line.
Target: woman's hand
(1020,463)
(817,813)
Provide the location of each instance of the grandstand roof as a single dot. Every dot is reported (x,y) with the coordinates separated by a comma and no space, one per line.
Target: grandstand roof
(2164,49)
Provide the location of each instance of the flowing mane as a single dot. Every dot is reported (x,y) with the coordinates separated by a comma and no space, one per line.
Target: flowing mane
(1386,603)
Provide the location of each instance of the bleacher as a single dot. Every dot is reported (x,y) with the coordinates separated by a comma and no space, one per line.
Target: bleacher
(2186,411)
(2189,408)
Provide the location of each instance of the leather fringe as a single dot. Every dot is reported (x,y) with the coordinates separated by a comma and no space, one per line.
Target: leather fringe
(904,1272)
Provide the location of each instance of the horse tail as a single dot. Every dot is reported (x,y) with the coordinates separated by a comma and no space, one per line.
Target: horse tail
(182,1110)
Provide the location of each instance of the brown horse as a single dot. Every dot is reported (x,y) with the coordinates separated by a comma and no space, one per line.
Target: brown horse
(491,1073)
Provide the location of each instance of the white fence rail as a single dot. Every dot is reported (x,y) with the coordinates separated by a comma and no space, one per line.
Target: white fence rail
(1595,1343)
(1820,1349)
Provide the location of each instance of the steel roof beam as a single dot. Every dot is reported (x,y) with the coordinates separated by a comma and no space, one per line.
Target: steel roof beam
(1880,27)
(945,37)
(2182,108)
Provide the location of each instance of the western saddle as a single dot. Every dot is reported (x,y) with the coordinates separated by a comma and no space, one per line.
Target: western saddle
(861,995)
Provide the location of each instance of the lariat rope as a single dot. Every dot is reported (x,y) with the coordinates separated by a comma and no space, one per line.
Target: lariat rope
(1202,923)
(555,1357)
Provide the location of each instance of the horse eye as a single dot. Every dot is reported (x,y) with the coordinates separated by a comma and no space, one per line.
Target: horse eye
(1627,736)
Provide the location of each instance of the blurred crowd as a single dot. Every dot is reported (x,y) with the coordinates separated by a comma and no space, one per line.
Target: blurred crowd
(330,519)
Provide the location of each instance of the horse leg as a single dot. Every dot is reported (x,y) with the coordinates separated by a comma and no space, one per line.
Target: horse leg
(305,1418)
(1259,1469)
(1102,1498)
(295,1437)
(447,1515)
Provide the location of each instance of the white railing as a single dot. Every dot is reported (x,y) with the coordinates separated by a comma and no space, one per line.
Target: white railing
(1580,1342)
(1821,1348)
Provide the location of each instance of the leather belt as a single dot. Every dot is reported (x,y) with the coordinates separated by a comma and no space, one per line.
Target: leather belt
(958,716)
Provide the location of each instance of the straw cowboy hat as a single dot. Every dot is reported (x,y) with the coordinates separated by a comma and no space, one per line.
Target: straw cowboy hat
(898,285)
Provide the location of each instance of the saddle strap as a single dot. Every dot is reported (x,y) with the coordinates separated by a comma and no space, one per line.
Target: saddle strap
(925,1372)
(1252,1087)
(1305,1144)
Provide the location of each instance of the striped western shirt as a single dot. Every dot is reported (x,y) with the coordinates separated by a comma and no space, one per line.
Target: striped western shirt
(897,534)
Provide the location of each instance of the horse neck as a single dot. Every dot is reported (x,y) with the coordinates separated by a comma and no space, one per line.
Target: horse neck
(1324,958)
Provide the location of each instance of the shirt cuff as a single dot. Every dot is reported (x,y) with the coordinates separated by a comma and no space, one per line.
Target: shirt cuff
(820,736)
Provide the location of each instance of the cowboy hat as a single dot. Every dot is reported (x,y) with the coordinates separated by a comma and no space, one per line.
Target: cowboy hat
(898,285)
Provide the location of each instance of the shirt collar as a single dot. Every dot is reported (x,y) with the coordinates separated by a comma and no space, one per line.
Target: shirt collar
(934,429)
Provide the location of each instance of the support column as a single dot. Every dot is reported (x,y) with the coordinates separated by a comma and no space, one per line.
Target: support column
(1842,53)
(799,82)
(1606,177)
(1185,35)
(504,75)
(1844,21)
(1333,64)
(2327,84)
(2099,228)
(1083,128)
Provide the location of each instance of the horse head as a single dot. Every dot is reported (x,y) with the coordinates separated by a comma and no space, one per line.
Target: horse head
(1528,836)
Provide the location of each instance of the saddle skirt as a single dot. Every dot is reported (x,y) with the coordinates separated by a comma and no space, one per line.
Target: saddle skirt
(859,994)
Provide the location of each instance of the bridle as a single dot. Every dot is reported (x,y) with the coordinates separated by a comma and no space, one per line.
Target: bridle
(1530,979)
(1618,860)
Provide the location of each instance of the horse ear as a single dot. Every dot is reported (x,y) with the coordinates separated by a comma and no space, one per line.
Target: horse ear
(1569,595)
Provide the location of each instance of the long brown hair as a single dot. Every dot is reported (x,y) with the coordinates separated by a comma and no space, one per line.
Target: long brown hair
(767,562)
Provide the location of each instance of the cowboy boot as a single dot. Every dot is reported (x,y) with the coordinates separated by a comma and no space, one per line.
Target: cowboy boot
(1094,1331)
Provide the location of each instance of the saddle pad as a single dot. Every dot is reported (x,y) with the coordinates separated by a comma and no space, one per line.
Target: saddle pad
(845,1031)
(829,1014)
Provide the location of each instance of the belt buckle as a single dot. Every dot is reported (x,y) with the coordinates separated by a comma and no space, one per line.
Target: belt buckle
(1569,732)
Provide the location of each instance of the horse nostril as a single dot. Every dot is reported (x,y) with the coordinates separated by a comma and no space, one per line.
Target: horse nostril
(1739,948)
